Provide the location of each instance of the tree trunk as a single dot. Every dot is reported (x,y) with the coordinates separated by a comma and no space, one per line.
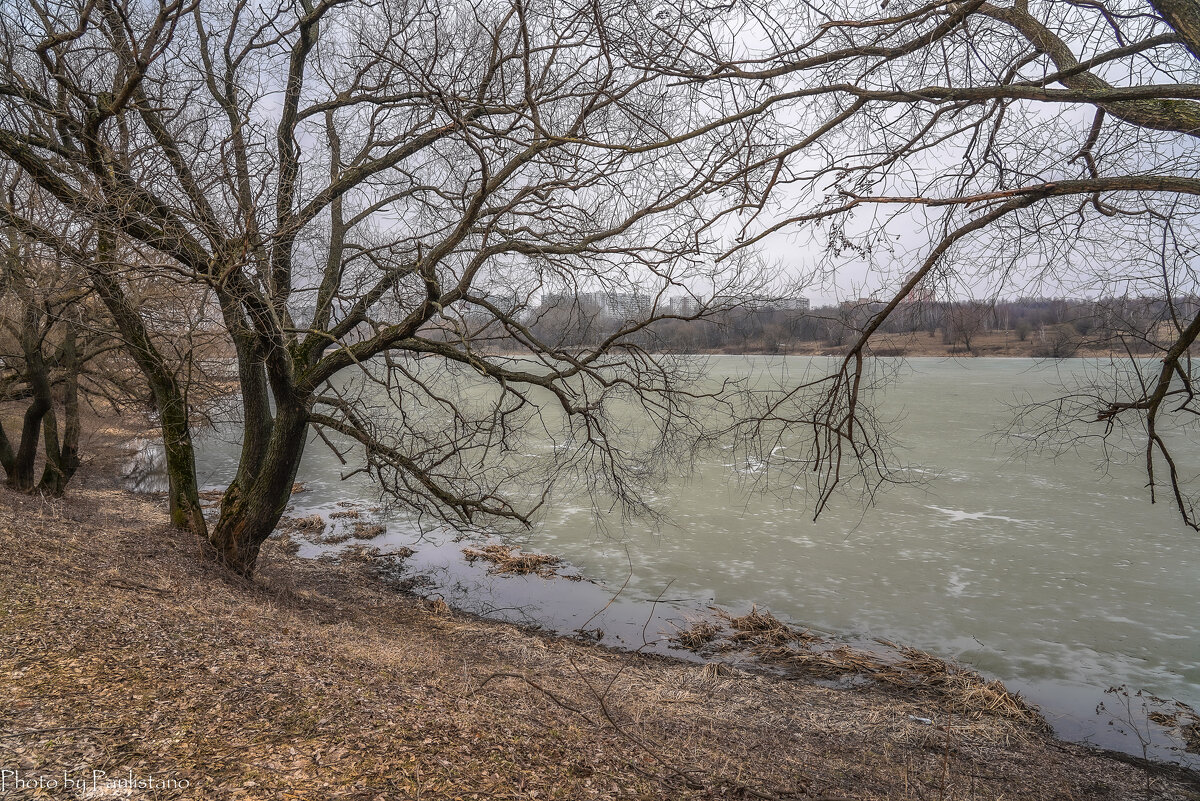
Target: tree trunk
(256,499)
(62,458)
(21,476)
(183,489)
(8,459)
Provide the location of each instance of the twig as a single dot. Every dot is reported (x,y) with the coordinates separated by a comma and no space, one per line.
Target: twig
(540,689)
(127,585)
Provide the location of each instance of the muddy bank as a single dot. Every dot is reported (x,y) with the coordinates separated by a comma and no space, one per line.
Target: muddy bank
(125,652)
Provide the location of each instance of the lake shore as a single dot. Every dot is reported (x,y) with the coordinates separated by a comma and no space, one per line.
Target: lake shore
(127,652)
(1001,344)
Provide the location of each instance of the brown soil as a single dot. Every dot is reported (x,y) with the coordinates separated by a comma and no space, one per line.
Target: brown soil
(124,650)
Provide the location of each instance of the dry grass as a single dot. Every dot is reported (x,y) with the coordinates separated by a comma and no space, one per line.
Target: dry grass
(957,688)
(286,543)
(1191,736)
(505,559)
(964,690)
(699,634)
(122,648)
(1180,716)
(762,629)
(310,526)
(368,531)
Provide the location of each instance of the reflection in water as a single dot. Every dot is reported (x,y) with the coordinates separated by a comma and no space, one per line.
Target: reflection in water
(1058,580)
(146,468)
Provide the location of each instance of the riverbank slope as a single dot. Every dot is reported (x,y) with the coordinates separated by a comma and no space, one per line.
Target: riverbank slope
(124,651)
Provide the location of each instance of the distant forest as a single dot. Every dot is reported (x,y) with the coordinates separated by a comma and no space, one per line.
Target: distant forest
(1041,327)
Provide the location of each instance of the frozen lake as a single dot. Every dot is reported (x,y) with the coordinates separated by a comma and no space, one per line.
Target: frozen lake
(1060,580)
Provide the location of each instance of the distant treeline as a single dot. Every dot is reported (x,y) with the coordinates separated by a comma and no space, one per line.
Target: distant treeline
(1053,327)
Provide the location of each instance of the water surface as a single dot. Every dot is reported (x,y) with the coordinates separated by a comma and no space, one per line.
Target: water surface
(1056,578)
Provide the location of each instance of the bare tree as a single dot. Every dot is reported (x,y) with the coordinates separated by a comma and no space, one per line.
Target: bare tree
(56,350)
(377,194)
(1003,148)
(966,321)
(39,352)
(88,269)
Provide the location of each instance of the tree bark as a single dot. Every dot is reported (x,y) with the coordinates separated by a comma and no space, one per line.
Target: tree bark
(20,477)
(62,456)
(255,501)
(8,459)
(1184,18)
